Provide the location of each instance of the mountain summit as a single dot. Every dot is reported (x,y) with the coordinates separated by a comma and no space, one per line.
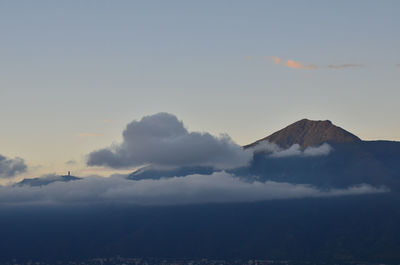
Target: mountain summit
(309,133)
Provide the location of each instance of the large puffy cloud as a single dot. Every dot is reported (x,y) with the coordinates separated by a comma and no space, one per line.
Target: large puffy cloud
(220,187)
(273,150)
(162,140)
(11,167)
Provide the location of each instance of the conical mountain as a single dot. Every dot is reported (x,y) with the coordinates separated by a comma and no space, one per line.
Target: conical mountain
(309,133)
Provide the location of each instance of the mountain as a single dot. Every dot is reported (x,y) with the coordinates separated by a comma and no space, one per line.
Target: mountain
(46,180)
(326,231)
(350,162)
(309,133)
(331,230)
(154,173)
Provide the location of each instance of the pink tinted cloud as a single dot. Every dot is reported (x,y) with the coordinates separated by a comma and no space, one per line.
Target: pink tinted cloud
(293,64)
(298,65)
(276,59)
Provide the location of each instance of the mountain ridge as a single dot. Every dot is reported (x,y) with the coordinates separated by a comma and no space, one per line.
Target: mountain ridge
(43,181)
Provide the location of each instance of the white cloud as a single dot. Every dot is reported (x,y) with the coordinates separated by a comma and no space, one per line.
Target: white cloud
(323,149)
(219,187)
(273,150)
(162,140)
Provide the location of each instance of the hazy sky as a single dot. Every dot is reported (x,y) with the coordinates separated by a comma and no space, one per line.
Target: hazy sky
(74,73)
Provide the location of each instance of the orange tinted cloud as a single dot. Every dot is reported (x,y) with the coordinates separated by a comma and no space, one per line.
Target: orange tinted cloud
(293,64)
(276,59)
(298,65)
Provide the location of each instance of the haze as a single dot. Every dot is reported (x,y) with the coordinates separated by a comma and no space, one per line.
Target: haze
(73,74)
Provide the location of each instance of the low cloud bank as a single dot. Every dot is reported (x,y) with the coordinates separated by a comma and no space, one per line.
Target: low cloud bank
(11,167)
(162,140)
(220,187)
(273,150)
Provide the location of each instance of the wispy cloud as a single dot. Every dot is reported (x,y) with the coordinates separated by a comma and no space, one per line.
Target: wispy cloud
(276,59)
(298,65)
(293,64)
(89,134)
(346,65)
(309,66)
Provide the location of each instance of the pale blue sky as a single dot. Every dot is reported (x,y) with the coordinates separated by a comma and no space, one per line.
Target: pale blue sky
(90,67)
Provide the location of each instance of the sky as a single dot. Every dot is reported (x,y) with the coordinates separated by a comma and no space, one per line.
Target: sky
(73,74)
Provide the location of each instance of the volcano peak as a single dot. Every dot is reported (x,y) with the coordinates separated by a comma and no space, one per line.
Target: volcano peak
(307,133)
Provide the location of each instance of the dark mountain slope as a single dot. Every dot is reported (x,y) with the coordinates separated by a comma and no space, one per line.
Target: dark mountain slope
(347,165)
(322,230)
(154,173)
(351,161)
(329,230)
